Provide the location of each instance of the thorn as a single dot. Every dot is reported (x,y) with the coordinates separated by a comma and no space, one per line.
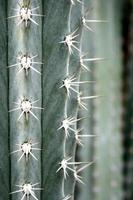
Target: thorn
(33,115)
(73,2)
(64,164)
(26,107)
(25,13)
(26,148)
(85,21)
(78,136)
(85,166)
(81,103)
(35,8)
(13,65)
(27,190)
(83,60)
(79,178)
(67,123)
(67,197)
(90,97)
(34,22)
(96,21)
(70,83)
(26,62)
(37,15)
(70,42)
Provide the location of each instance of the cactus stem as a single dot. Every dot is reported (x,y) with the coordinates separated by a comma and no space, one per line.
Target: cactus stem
(70,42)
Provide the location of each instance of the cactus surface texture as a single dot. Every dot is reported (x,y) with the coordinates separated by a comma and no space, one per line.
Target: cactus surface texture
(60,117)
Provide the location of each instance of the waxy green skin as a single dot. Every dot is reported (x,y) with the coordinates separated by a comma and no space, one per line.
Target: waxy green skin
(55,58)
(61,19)
(107,112)
(45,43)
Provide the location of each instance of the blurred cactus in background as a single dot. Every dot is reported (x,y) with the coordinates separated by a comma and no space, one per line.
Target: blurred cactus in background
(105,113)
(108,110)
(128,100)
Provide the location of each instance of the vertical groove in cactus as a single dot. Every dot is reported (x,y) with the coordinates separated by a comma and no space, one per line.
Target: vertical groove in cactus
(24,40)
(107,113)
(128,120)
(4,138)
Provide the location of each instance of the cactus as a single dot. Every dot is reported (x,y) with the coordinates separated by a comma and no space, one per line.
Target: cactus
(60,64)
(85,148)
(107,111)
(25,97)
(103,184)
(46,60)
(43,72)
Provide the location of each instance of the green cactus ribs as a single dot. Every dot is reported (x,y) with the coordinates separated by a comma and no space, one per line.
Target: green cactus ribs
(25,97)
